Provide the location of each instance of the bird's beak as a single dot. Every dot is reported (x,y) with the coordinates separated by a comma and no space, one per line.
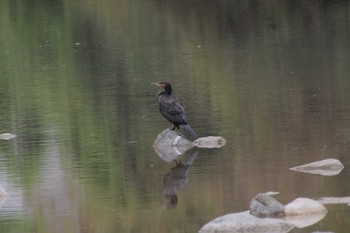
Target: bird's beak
(158,84)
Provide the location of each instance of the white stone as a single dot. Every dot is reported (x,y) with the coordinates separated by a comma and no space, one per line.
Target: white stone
(210,142)
(304,205)
(7,136)
(327,167)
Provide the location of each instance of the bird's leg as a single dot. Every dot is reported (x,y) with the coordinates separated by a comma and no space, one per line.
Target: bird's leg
(173,127)
(178,164)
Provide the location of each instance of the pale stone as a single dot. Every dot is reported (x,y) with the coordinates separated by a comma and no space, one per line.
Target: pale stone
(334,200)
(244,222)
(302,206)
(7,136)
(210,142)
(327,167)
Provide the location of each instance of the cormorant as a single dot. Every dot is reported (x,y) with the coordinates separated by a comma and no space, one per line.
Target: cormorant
(172,109)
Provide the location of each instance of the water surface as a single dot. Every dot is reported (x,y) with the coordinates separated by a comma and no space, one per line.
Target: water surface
(271,77)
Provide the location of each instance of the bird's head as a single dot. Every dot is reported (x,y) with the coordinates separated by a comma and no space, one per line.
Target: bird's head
(164,85)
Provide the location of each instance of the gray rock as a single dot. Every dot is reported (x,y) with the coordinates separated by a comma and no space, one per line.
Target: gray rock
(264,205)
(244,222)
(334,200)
(322,232)
(169,145)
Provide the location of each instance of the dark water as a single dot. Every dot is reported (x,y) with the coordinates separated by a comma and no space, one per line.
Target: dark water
(272,77)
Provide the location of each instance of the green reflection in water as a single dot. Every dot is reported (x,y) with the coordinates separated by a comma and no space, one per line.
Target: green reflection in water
(74,87)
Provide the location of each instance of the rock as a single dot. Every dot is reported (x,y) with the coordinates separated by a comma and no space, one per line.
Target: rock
(169,145)
(7,136)
(334,200)
(322,232)
(263,205)
(299,213)
(210,142)
(244,222)
(327,167)
(304,205)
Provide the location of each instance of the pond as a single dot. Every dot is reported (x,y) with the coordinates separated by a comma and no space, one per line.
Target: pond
(271,77)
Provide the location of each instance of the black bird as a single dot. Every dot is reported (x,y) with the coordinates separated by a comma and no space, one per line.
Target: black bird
(172,109)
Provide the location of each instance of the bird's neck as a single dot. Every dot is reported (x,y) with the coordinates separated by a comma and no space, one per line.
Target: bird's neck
(168,90)
(165,92)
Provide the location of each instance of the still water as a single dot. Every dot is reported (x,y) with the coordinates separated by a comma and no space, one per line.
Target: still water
(271,77)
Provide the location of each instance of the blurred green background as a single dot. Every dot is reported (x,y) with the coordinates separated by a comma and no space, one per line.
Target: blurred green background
(271,77)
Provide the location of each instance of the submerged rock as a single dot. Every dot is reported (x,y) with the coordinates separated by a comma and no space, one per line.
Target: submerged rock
(334,200)
(244,222)
(263,205)
(327,167)
(7,136)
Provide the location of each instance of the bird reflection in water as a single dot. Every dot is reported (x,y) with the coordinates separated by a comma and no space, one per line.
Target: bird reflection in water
(175,180)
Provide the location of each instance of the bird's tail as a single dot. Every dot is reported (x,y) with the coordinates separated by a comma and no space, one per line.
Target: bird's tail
(190,132)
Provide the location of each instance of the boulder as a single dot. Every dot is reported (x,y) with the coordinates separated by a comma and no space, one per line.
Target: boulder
(263,205)
(169,145)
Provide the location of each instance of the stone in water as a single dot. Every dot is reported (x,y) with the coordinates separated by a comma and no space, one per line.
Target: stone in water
(7,136)
(327,167)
